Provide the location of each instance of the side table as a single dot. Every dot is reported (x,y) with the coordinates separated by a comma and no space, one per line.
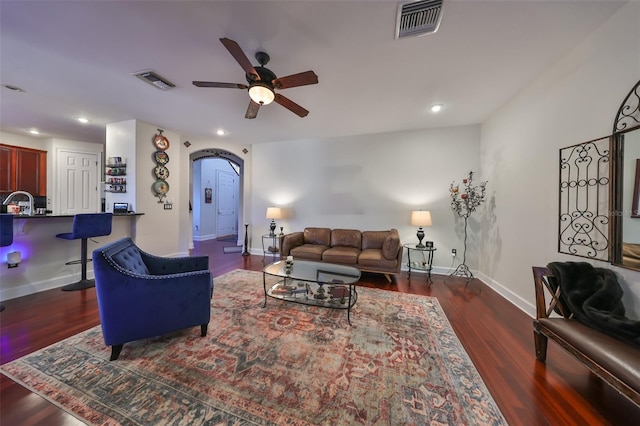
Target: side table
(270,245)
(422,259)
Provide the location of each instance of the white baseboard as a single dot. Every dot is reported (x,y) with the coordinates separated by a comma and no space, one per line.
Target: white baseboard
(516,300)
(519,302)
(37,287)
(205,237)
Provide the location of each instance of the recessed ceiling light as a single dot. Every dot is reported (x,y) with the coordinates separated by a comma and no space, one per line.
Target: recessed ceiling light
(436,108)
(34,132)
(83,120)
(221,132)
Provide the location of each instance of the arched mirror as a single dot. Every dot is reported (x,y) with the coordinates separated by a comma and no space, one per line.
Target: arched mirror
(626,183)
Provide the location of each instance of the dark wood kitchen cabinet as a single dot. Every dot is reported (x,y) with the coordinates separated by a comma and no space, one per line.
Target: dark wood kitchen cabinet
(23,169)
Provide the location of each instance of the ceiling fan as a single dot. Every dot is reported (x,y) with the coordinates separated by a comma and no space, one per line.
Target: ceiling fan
(263,82)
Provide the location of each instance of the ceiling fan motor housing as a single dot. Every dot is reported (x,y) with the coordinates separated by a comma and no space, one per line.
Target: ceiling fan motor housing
(266,76)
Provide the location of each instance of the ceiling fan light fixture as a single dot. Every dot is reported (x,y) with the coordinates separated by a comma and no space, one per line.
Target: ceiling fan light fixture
(261,93)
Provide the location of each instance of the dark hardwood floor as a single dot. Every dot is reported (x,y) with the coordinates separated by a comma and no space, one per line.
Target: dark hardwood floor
(497,336)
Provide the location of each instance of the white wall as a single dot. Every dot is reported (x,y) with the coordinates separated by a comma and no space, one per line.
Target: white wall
(367,182)
(121,138)
(574,101)
(161,232)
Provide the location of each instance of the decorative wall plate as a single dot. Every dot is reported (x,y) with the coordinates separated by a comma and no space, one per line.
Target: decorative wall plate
(161,157)
(161,172)
(161,187)
(161,142)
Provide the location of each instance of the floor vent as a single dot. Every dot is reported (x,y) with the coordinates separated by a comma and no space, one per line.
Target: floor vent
(154,79)
(418,17)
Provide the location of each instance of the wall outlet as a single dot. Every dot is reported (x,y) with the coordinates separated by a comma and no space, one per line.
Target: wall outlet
(168,206)
(454,252)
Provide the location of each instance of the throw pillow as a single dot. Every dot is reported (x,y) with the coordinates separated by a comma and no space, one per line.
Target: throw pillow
(390,247)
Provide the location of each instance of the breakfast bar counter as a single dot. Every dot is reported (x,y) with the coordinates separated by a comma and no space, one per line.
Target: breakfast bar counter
(46,216)
(43,256)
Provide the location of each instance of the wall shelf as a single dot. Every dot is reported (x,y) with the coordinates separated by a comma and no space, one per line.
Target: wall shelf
(116,182)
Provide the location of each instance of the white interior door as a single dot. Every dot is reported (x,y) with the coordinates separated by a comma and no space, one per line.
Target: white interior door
(227,204)
(77,182)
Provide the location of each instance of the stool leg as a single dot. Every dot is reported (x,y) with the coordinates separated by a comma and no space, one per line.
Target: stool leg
(84,282)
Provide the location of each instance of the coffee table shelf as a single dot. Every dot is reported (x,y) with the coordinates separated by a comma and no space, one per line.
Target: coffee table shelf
(313,283)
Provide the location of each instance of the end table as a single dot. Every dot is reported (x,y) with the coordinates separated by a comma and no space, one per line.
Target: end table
(422,259)
(270,245)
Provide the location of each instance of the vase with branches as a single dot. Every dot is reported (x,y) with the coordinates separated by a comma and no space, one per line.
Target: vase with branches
(464,201)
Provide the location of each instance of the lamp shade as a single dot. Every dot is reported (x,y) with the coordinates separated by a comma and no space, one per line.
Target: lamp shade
(274,213)
(421,218)
(261,93)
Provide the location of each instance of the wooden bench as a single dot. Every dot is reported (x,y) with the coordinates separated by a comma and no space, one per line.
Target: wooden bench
(613,360)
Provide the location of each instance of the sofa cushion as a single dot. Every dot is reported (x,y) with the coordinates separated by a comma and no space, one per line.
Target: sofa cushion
(390,246)
(373,239)
(308,252)
(130,260)
(321,236)
(373,259)
(346,238)
(340,254)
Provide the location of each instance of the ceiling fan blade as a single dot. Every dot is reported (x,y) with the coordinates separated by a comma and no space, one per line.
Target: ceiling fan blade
(294,80)
(220,85)
(291,106)
(252,110)
(240,57)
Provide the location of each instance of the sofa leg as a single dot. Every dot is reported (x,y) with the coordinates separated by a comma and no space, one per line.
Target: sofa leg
(388,277)
(540,341)
(115,352)
(203,330)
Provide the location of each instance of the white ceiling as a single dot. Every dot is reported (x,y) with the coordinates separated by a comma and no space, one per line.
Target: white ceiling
(75,58)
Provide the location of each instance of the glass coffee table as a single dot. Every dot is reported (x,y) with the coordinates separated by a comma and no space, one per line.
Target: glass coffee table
(313,283)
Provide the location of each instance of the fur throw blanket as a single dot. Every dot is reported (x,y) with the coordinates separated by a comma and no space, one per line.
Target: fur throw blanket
(594,297)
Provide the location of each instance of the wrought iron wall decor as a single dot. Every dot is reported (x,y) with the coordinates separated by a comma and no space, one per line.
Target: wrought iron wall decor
(629,111)
(584,199)
(625,220)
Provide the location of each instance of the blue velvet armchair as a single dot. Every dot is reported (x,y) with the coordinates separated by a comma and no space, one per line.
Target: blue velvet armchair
(141,295)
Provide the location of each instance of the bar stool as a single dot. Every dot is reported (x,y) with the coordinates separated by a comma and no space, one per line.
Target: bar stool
(6,234)
(86,225)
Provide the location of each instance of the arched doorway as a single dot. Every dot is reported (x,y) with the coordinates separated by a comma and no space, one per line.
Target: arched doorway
(216,200)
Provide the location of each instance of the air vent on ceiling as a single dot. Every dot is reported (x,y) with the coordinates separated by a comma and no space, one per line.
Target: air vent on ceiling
(418,17)
(151,77)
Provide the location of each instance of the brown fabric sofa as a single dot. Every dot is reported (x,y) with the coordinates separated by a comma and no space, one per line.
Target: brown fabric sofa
(370,251)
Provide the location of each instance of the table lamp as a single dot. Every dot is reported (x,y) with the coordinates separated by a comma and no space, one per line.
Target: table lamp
(420,218)
(273,213)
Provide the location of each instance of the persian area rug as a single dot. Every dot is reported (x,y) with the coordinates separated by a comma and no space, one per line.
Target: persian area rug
(285,364)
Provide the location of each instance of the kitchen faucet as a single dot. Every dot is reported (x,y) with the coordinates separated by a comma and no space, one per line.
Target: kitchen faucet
(29,210)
